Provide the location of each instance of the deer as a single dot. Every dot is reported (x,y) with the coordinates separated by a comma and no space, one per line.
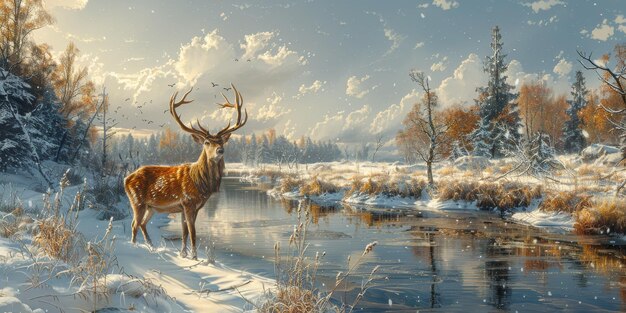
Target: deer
(183,188)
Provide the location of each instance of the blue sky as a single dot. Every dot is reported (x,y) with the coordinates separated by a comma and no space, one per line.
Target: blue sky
(333,70)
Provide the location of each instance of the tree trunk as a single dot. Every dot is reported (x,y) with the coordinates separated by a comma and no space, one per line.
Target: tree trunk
(429,171)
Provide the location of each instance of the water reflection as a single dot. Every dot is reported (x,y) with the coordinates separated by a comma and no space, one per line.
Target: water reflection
(443,262)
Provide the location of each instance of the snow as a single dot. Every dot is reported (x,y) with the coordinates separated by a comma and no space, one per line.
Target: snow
(144,279)
(594,151)
(472,162)
(538,218)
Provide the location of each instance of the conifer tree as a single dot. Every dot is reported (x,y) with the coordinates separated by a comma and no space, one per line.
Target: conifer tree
(573,138)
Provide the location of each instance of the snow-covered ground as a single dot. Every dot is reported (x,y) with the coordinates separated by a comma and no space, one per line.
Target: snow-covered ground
(593,172)
(140,279)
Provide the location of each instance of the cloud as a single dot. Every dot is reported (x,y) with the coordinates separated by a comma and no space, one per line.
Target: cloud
(419,44)
(603,31)
(563,68)
(203,55)
(278,58)
(66,4)
(314,88)
(347,127)
(423,5)
(517,77)
(255,43)
(620,19)
(439,66)
(272,109)
(395,38)
(353,86)
(389,121)
(446,4)
(544,5)
(461,86)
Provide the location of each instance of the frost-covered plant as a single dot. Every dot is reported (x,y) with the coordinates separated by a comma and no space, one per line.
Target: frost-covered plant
(296,274)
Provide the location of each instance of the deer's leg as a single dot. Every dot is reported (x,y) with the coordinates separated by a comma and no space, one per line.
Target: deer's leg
(183,249)
(190,217)
(144,221)
(138,213)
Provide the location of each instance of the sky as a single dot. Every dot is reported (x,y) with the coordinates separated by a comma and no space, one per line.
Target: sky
(331,70)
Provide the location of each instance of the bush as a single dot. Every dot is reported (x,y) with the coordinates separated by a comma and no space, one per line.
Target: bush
(602,218)
(504,196)
(565,201)
(316,187)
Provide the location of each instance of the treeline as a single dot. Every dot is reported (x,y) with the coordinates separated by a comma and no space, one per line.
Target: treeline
(46,105)
(171,147)
(503,122)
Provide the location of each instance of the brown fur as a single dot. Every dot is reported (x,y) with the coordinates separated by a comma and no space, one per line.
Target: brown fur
(182,189)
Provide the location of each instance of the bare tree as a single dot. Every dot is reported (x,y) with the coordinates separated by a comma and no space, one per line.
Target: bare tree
(422,126)
(380,142)
(616,80)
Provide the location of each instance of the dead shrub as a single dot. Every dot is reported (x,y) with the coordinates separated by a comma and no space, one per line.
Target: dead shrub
(605,217)
(316,187)
(289,184)
(447,171)
(565,201)
(504,196)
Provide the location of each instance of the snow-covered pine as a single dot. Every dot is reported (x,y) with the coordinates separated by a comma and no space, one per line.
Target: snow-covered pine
(14,150)
(457,150)
(496,101)
(573,138)
(481,139)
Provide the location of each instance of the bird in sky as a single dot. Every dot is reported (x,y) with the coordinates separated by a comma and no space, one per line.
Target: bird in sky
(171,85)
(214,84)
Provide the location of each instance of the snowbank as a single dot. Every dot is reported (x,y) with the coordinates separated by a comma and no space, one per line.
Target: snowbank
(594,151)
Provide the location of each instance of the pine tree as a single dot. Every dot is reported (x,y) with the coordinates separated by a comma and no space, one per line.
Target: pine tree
(457,150)
(496,101)
(573,138)
(14,96)
(481,138)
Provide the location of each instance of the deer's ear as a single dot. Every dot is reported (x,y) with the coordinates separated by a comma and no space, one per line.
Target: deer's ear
(225,137)
(197,139)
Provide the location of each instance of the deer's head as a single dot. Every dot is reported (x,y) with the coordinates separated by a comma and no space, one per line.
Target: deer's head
(213,144)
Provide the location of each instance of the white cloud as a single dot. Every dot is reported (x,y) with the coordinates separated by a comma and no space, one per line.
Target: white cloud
(66,4)
(517,77)
(545,5)
(280,57)
(603,31)
(353,86)
(389,121)
(395,38)
(622,28)
(203,55)
(563,68)
(620,19)
(439,66)
(313,88)
(356,118)
(419,44)
(255,43)
(272,109)
(446,4)
(461,86)
(423,5)
(347,127)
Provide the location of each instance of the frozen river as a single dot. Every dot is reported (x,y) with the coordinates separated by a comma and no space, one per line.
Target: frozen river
(443,262)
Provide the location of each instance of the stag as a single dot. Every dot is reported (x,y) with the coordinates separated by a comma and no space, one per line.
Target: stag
(183,188)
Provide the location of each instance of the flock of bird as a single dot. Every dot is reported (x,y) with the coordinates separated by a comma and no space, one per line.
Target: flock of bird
(148,121)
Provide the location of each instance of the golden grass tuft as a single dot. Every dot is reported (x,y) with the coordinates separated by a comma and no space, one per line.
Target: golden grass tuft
(503,196)
(315,187)
(447,171)
(605,217)
(565,201)
(288,184)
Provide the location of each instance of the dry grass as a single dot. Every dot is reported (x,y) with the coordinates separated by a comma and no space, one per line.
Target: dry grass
(385,185)
(295,290)
(503,196)
(315,187)
(565,201)
(289,184)
(447,171)
(602,218)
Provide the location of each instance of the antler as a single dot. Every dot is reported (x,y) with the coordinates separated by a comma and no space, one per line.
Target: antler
(202,132)
(174,105)
(236,106)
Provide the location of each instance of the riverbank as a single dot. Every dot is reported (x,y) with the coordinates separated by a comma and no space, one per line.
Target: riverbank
(57,254)
(580,196)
